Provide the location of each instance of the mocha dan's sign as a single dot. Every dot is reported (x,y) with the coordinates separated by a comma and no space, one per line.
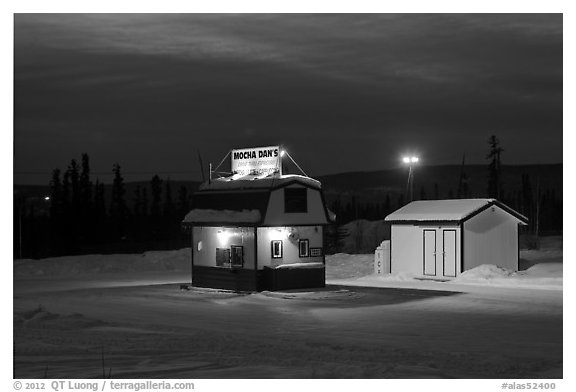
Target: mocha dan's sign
(259,160)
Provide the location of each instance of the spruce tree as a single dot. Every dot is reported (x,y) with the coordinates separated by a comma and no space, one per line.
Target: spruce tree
(118,210)
(494,169)
(168,204)
(463,191)
(100,216)
(387,205)
(85,187)
(137,211)
(144,207)
(156,186)
(183,201)
(75,185)
(55,196)
(527,203)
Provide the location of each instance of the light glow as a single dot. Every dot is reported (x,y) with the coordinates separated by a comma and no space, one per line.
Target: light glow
(282,153)
(410,159)
(47,198)
(223,236)
(279,233)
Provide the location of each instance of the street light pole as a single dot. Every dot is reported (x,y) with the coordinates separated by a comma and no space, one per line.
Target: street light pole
(410,161)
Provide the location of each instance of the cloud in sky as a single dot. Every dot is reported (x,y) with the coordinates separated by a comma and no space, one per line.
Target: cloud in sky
(128,87)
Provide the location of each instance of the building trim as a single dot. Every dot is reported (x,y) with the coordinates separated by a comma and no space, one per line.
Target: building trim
(424,252)
(461,248)
(444,253)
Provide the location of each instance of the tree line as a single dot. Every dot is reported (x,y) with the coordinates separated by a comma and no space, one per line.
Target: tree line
(83,218)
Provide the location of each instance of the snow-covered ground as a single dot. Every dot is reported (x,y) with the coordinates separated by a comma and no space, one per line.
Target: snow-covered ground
(488,323)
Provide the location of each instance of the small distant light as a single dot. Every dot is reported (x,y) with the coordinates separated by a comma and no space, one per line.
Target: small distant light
(406,159)
(47,198)
(282,153)
(414,159)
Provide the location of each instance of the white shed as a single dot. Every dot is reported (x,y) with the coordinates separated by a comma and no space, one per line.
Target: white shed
(440,239)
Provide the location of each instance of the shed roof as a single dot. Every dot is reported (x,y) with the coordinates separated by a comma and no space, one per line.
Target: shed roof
(454,210)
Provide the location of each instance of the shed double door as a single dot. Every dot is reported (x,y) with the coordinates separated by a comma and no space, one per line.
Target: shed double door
(439,258)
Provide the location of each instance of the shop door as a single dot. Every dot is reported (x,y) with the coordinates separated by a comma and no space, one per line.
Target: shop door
(449,252)
(430,252)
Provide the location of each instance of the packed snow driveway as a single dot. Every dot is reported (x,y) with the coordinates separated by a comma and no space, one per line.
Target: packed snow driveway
(139,323)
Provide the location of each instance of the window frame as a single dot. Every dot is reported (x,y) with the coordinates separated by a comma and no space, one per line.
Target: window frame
(281,249)
(227,253)
(307,253)
(232,265)
(319,252)
(287,204)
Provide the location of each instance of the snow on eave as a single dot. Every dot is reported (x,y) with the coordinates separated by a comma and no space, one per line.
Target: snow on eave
(221,216)
(449,211)
(258,182)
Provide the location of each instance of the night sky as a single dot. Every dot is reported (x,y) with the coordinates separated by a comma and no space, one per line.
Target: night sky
(344,92)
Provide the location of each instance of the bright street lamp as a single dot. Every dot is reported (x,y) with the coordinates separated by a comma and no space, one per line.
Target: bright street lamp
(410,161)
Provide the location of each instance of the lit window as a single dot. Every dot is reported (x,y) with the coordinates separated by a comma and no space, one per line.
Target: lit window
(276,249)
(304,247)
(223,257)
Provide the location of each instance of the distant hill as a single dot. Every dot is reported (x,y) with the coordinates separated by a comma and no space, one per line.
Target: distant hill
(366,186)
(373,186)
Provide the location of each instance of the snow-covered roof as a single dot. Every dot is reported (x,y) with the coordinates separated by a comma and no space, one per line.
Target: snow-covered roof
(453,210)
(257,182)
(221,216)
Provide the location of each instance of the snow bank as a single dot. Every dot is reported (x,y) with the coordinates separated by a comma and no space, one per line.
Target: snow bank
(485,272)
(541,276)
(358,270)
(342,265)
(41,317)
(313,295)
(171,260)
(341,268)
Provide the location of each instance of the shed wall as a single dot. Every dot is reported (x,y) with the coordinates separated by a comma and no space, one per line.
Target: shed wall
(491,237)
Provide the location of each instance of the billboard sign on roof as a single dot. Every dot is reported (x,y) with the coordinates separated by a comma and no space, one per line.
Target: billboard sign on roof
(258,161)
